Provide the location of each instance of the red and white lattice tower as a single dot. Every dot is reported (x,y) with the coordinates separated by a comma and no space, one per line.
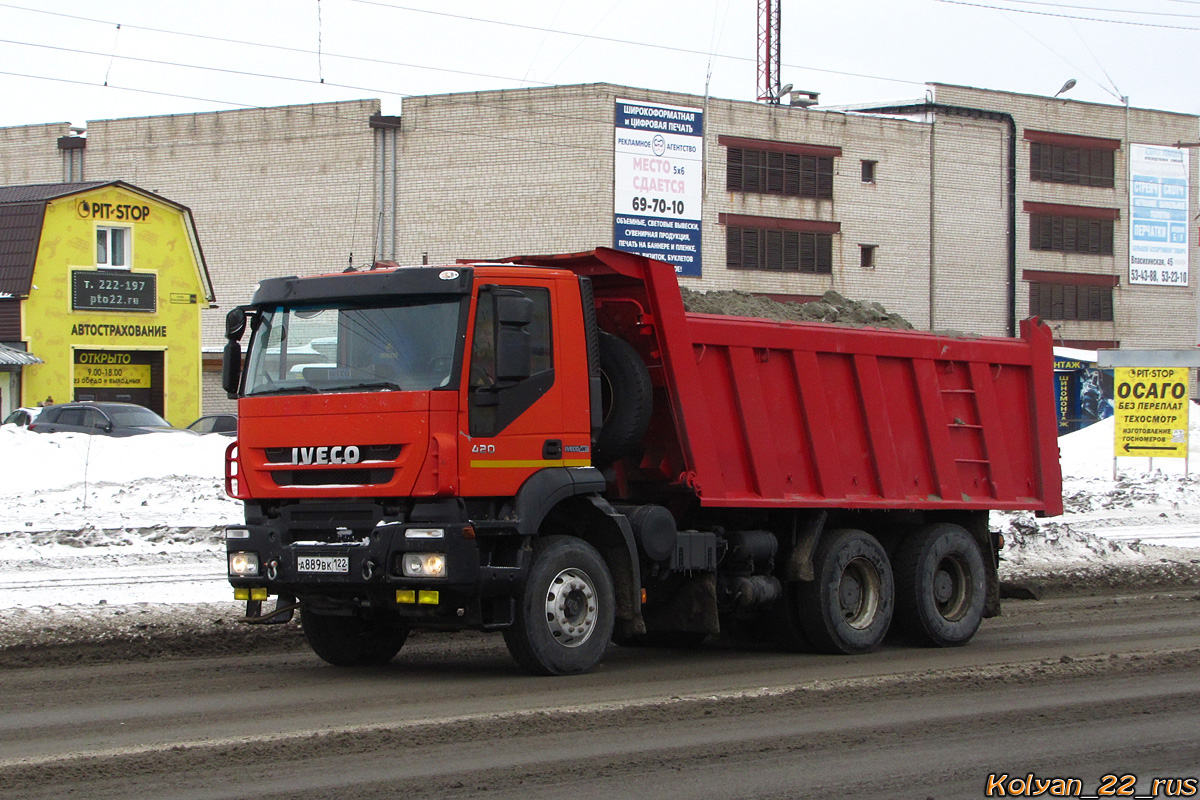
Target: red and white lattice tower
(768,50)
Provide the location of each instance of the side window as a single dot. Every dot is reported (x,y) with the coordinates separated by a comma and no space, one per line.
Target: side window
(496,402)
(113,247)
(483,350)
(70,416)
(94,419)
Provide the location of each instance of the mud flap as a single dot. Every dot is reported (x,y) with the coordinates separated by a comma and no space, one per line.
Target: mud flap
(285,609)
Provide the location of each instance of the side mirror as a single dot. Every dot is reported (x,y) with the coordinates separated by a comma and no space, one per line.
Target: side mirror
(235,324)
(515,309)
(231,368)
(514,344)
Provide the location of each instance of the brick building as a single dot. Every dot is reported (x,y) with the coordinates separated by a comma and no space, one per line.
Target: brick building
(967,209)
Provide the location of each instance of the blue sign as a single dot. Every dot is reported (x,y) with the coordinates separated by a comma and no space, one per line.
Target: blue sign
(658,169)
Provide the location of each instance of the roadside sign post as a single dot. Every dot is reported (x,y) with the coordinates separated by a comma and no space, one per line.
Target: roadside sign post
(1151,414)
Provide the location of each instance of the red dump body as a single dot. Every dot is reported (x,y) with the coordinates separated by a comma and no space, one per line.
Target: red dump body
(774,414)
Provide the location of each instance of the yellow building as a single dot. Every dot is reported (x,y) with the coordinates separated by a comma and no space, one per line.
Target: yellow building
(103,283)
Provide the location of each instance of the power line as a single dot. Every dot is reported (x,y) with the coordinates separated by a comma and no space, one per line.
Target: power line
(279,47)
(367,59)
(1098,8)
(1069,16)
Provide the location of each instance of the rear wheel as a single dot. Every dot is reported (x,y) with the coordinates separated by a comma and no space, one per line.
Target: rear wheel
(353,640)
(565,615)
(848,607)
(941,586)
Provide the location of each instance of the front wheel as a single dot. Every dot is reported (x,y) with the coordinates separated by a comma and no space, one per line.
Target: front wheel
(565,615)
(848,607)
(941,585)
(353,640)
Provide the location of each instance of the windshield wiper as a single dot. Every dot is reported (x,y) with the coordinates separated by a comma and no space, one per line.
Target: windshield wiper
(302,388)
(388,385)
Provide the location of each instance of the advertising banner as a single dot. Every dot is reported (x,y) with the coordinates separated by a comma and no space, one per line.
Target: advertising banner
(1158,215)
(1084,394)
(657,182)
(1152,412)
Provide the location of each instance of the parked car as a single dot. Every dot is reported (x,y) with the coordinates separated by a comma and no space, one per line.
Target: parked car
(224,424)
(22,416)
(105,419)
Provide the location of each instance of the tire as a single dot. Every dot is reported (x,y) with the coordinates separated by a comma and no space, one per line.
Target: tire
(941,586)
(566,611)
(353,641)
(848,607)
(626,399)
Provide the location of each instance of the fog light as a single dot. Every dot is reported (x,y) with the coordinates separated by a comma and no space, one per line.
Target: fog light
(427,598)
(243,565)
(406,596)
(424,565)
(241,594)
(258,593)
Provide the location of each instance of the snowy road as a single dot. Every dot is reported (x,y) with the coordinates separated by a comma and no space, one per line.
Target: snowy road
(1081,687)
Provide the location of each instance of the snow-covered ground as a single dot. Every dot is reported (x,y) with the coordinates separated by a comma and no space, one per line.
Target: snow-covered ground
(97,520)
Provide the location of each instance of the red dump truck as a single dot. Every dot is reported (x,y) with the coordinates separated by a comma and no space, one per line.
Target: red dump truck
(553,448)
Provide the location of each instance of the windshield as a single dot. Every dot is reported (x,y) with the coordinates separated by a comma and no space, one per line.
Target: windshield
(326,348)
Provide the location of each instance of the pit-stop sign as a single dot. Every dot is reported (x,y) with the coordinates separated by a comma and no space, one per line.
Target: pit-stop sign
(1151,413)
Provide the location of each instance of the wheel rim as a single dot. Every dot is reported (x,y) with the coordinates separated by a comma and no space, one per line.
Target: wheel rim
(952,588)
(859,591)
(571,609)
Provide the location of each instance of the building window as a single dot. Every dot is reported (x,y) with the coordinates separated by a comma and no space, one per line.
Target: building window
(112,247)
(777,172)
(868,171)
(1083,166)
(1071,301)
(866,255)
(776,250)
(1070,234)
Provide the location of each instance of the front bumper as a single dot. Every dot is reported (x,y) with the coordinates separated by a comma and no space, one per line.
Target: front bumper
(365,568)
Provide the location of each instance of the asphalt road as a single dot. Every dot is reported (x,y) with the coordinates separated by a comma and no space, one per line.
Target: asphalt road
(1081,687)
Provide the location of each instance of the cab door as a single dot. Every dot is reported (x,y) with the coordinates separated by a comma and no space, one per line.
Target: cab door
(514,396)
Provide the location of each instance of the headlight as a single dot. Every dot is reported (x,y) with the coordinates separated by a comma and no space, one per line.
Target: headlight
(424,565)
(243,565)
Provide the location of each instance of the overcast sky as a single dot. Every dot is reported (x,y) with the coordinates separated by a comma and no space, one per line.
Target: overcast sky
(176,58)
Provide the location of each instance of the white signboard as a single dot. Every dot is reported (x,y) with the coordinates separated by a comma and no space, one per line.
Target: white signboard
(658,167)
(1158,215)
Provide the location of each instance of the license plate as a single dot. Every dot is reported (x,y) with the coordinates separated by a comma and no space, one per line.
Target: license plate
(322,564)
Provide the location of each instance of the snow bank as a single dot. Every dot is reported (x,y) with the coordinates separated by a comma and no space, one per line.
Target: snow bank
(95,519)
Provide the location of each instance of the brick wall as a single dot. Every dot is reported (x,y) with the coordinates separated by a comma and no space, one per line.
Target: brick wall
(30,154)
(1145,316)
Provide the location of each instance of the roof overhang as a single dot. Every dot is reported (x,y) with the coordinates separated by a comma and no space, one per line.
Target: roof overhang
(11,356)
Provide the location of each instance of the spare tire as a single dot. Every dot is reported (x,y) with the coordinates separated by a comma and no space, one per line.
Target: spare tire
(626,399)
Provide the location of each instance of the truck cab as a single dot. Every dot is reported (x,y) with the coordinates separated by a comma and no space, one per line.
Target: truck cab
(403,431)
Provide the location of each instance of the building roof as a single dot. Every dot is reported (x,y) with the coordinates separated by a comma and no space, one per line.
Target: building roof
(20,232)
(40,192)
(22,209)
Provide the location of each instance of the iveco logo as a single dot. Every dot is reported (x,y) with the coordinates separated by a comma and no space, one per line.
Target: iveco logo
(326,455)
